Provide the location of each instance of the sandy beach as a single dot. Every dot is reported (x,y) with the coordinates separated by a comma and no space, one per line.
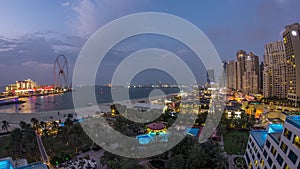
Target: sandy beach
(90,111)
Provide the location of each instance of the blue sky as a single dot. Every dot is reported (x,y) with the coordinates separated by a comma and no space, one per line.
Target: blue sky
(33,32)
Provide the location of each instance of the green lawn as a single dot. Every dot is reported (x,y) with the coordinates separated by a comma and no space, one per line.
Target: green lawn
(235,142)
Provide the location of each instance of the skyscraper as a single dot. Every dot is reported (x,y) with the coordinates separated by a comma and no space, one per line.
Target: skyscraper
(241,57)
(232,75)
(243,74)
(291,40)
(247,72)
(261,75)
(210,76)
(275,70)
(250,77)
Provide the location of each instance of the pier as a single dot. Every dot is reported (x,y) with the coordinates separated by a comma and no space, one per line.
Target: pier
(10,100)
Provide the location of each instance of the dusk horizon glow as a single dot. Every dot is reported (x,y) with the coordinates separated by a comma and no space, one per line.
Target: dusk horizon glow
(34,33)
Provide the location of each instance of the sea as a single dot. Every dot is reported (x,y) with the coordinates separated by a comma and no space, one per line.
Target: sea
(64,101)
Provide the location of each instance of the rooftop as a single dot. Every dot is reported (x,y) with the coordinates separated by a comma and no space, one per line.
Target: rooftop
(294,120)
(37,165)
(275,128)
(260,136)
(291,113)
(276,137)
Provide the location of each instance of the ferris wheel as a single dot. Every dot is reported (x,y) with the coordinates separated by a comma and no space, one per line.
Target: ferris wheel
(60,71)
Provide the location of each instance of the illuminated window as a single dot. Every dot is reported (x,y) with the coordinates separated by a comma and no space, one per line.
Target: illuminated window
(297,141)
(250,166)
(273,151)
(287,134)
(256,163)
(283,147)
(286,166)
(262,162)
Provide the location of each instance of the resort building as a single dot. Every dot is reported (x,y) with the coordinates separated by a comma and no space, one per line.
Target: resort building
(8,163)
(21,86)
(291,40)
(276,147)
(26,88)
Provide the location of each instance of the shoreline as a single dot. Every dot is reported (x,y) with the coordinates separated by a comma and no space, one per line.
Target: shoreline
(84,112)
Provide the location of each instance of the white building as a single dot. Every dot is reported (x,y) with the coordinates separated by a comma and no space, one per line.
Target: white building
(277,147)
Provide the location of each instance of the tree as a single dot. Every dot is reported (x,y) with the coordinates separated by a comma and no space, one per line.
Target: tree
(220,161)
(128,163)
(16,142)
(43,124)
(35,122)
(23,125)
(68,122)
(5,125)
(177,162)
(70,115)
(193,154)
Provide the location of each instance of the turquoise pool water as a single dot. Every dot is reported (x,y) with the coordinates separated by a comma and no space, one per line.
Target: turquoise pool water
(152,137)
(5,164)
(274,128)
(193,131)
(294,120)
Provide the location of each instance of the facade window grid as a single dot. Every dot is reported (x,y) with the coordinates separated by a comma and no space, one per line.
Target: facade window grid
(284,153)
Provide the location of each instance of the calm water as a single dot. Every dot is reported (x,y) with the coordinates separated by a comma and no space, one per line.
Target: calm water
(65,101)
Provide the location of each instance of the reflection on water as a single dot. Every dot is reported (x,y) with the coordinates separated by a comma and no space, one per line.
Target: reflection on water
(65,101)
(41,103)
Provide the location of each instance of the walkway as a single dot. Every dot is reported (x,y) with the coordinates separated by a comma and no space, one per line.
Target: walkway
(231,160)
(41,148)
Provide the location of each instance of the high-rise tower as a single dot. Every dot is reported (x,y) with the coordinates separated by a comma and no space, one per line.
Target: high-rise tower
(275,70)
(291,40)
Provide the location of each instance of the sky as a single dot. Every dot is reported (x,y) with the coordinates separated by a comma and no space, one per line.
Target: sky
(34,32)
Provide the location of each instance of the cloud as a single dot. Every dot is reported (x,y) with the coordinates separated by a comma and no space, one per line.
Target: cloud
(91,15)
(38,65)
(65,4)
(7,44)
(32,55)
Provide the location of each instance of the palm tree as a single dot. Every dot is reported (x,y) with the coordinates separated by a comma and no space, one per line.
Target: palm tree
(219,161)
(43,124)
(23,125)
(5,125)
(35,122)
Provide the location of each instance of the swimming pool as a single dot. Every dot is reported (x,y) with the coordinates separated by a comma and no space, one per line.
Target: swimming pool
(152,137)
(275,128)
(193,131)
(5,164)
